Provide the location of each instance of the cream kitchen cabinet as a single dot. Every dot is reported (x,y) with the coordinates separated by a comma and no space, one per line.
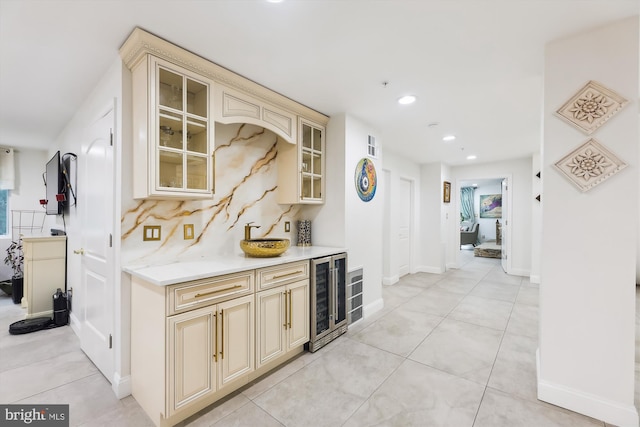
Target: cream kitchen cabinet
(301,167)
(208,349)
(282,322)
(191,343)
(172,131)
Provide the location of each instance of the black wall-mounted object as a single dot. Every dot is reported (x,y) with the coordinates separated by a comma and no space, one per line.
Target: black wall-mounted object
(54,183)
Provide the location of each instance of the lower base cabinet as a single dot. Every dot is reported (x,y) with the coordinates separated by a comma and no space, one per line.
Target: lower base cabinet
(222,334)
(283,320)
(195,342)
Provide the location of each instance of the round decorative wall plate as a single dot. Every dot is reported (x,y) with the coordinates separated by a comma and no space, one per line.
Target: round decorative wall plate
(366,180)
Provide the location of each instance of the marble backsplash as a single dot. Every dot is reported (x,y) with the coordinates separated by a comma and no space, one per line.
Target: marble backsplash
(246,185)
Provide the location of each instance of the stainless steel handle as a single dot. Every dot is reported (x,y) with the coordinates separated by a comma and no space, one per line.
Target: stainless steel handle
(217,291)
(286,275)
(79,251)
(335,295)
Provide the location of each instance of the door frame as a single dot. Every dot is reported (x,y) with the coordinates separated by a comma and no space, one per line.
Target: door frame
(509,216)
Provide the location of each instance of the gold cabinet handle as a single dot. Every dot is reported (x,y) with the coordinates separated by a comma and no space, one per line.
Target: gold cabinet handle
(217,291)
(285,309)
(290,305)
(222,342)
(288,274)
(215,335)
(79,251)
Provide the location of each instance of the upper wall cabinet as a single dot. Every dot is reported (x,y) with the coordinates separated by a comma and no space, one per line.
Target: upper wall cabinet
(301,167)
(172,147)
(177,97)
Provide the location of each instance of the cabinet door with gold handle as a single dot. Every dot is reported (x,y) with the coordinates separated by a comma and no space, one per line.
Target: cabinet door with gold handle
(236,339)
(298,313)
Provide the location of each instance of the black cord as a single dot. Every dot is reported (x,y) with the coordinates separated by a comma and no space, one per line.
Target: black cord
(65,174)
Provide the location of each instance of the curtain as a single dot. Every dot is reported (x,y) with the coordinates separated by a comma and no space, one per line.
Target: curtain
(466,204)
(7,171)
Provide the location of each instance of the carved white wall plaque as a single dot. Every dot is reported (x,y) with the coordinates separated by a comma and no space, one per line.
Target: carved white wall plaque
(589,165)
(591,107)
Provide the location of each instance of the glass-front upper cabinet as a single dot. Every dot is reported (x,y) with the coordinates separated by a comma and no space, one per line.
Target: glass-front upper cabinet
(301,166)
(179,143)
(311,173)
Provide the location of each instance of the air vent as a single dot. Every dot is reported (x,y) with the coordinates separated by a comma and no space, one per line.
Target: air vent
(372,148)
(355,296)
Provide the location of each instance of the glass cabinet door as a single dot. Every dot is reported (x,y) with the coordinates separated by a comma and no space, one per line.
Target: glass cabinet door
(340,277)
(183,132)
(311,162)
(320,301)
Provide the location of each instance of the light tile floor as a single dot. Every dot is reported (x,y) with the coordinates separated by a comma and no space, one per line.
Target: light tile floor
(456,349)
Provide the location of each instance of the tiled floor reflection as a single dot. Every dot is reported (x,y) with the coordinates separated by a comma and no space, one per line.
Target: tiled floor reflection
(456,349)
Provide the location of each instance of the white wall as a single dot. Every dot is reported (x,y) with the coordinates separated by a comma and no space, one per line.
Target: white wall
(536,220)
(363,219)
(587,292)
(432,216)
(399,168)
(29,189)
(521,176)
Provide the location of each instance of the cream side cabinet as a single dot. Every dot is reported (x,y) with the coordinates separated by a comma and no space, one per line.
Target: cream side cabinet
(282,320)
(44,272)
(208,349)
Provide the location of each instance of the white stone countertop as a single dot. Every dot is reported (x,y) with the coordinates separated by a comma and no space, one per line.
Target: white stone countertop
(183,271)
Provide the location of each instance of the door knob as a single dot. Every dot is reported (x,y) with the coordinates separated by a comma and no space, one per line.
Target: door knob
(79,251)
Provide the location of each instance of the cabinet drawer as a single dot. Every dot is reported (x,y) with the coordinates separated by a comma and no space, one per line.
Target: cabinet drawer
(200,293)
(282,274)
(44,249)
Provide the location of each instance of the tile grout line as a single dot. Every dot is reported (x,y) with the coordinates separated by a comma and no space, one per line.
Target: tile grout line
(494,360)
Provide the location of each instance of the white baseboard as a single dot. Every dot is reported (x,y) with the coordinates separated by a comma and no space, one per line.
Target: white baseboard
(369,309)
(121,386)
(585,403)
(534,279)
(519,272)
(390,280)
(428,269)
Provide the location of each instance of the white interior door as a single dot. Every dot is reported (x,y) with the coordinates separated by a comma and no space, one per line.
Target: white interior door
(97,266)
(404,227)
(505,224)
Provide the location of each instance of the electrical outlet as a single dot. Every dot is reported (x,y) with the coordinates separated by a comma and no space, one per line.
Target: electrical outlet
(151,232)
(287,226)
(188,231)
(483,237)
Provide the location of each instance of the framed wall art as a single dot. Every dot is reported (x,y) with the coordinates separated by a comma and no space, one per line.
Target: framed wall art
(491,206)
(446,192)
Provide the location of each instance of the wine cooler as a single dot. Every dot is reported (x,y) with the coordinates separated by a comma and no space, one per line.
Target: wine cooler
(328,299)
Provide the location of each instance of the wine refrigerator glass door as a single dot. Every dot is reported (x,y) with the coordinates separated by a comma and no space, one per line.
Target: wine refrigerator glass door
(321,306)
(339,264)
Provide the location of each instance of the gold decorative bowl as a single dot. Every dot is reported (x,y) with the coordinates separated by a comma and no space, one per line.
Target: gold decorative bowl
(264,248)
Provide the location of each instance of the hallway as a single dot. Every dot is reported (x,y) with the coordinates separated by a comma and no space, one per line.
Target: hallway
(456,349)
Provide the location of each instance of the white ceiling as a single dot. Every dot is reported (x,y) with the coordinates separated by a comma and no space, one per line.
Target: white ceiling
(475,65)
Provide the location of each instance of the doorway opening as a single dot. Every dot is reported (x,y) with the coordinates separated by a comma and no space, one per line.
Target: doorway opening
(483,212)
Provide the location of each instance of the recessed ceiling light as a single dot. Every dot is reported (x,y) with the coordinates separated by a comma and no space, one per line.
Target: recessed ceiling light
(471,157)
(275,1)
(408,99)
(448,138)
